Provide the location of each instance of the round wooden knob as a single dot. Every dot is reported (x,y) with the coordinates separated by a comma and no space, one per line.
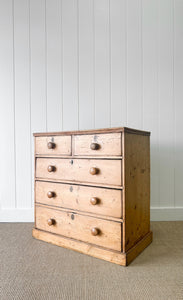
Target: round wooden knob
(51,222)
(93,200)
(50,194)
(94,231)
(94,146)
(93,171)
(51,168)
(51,145)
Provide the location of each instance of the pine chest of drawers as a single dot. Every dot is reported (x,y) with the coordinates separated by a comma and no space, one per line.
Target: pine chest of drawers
(92,192)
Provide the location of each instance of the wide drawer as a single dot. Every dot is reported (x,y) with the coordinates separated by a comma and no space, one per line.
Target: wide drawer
(99,144)
(102,201)
(82,170)
(58,145)
(87,229)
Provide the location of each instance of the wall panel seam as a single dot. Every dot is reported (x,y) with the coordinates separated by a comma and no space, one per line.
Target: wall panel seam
(62,95)
(173,87)
(94,64)
(30,106)
(78,61)
(110,58)
(14,100)
(142,63)
(46,66)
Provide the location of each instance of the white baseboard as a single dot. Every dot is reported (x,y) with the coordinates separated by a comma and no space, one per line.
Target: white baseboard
(17,215)
(166,213)
(27,215)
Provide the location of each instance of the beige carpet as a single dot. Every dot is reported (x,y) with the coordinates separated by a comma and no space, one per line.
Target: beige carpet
(31,269)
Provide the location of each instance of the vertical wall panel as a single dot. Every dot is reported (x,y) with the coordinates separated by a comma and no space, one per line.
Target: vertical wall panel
(38,70)
(54,65)
(7,152)
(150,87)
(134,64)
(102,64)
(166,104)
(118,57)
(178,94)
(38,65)
(86,64)
(22,103)
(70,64)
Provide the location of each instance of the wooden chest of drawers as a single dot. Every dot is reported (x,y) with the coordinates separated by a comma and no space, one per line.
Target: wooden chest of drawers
(92,192)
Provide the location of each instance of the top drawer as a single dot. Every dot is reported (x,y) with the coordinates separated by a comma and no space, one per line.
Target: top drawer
(58,145)
(97,144)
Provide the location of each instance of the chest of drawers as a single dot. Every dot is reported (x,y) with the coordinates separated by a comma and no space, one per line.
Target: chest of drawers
(92,192)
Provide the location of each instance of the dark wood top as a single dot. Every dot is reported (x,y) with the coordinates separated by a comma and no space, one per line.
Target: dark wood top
(94,131)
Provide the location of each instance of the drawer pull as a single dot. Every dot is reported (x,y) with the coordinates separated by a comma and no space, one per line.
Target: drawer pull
(51,145)
(51,168)
(50,194)
(94,146)
(93,171)
(94,231)
(51,222)
(93,200)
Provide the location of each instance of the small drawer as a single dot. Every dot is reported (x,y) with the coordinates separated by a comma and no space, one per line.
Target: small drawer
(97,144)
(57,145)
(87,229)
(98,171)
(107,202)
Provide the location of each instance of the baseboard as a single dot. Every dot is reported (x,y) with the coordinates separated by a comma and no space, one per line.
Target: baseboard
(27,214)
(166,213)
(17,215)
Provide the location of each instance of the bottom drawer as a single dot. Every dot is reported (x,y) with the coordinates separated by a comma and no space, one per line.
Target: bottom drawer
(84,228)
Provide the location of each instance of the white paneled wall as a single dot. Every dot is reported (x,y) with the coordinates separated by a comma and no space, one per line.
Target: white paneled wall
(80,64)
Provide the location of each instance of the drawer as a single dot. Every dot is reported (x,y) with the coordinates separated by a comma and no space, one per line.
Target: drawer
(82,170)
(97,144)
(102,201)
(58,145)
(87,229)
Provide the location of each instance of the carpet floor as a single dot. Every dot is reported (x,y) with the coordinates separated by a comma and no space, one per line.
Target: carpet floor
(32,269)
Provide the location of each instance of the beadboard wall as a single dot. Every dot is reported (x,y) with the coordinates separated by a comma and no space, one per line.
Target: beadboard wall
(80,64)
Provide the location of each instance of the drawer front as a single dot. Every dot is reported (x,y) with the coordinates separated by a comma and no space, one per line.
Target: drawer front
(102,201)
(108,233)
(58,145)
(82,170)
(99,144)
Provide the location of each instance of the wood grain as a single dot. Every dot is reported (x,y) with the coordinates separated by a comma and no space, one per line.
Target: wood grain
(119,258)
(102,200)
(108,144)
(110,186)
(137,188)
(79,227)
(62,145)
(78,197)
(139,247)
(79,170)
(94,131)
(83,213)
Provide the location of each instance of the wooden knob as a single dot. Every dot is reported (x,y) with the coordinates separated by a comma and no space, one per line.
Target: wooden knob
(93,171)
(50,194)
(94,146)
(51,168)
(94,231)
(51,222)
(51,145)
(93,200)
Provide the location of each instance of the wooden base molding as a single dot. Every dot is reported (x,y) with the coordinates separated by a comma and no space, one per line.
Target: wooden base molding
(116,257)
